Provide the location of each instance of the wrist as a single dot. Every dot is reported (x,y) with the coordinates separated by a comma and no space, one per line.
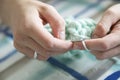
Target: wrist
(1,6)
(8,8)
(3,10)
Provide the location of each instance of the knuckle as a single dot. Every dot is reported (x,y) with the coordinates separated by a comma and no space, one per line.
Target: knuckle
(110,12)
(27,25)
(27,28)
(39,50)
(43,58)
(60,23)
(46,7)
(101,57)
(104,45)
(18,38)
(50,45)
(50,6)
(26,22)
(18,48)
(101,29)
(16,45)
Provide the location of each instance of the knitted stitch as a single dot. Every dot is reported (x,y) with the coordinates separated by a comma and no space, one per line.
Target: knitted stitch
(75,31)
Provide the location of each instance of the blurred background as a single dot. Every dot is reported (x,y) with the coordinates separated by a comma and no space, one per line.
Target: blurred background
(16,66)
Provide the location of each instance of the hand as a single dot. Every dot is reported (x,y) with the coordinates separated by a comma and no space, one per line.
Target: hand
(106,37)
(108,32)
(27,19)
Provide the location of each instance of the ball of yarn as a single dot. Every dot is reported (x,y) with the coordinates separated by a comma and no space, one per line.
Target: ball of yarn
(77,29)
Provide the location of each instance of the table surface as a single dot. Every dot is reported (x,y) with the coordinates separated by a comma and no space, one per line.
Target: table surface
(19,67)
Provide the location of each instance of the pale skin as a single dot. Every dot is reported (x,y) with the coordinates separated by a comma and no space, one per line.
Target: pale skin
(106,37)
(26,19)
(108,34)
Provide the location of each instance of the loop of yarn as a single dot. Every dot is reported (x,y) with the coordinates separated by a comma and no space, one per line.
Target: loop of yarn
(77,29)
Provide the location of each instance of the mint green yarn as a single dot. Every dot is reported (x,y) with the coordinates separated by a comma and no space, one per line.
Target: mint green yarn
(77,29)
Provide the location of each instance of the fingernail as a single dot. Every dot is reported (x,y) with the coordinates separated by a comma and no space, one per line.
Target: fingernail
(62,35)
(74,46)
(94,36)
(77,45)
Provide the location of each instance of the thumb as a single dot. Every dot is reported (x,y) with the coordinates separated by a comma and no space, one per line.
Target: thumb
(104,26)
(55,20)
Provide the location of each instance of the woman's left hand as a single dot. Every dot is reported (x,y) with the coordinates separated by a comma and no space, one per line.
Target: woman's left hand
(106,36)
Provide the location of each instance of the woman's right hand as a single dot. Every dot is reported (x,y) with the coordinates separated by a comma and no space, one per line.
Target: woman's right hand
(26,18)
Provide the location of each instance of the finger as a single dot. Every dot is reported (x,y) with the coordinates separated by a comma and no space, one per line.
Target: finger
(44,52)
(40,50)
(25,50)
(38,33)
(55,20)
(110,41)
(116,28)
(110,17)
(40,57)
(107,54)
(30,53)
(61,45)
(46,40)
(36,47)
